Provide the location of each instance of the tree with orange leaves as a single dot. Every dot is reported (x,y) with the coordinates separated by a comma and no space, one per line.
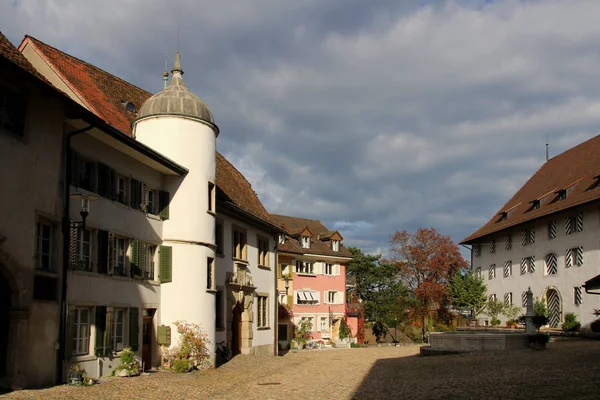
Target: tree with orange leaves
(425,262)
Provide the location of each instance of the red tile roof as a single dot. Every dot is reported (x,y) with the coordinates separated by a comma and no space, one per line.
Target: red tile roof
(296,225)
(104,93)
(576,169)
(10,53)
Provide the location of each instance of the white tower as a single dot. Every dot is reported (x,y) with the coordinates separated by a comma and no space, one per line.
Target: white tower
(179,125)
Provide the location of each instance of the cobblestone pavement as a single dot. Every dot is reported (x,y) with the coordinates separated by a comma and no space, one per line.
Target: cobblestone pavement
(568,369)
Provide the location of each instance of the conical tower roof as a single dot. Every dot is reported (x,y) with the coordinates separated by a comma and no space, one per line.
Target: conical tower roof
(176,100)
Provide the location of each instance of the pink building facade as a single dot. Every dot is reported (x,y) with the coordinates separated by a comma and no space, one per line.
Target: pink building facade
(312,261)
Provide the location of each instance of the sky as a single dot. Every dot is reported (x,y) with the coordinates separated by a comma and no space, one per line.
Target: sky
(371,116)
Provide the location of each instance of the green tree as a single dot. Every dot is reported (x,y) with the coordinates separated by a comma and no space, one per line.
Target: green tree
(495,308)
(467,290)
(377,285)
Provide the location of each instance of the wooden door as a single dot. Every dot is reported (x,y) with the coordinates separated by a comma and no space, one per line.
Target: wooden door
(147,343)
(236,330)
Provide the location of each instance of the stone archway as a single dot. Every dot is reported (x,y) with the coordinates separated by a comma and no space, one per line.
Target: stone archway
(554,305)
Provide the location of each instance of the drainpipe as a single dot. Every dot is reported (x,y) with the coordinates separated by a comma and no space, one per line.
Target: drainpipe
(62,329)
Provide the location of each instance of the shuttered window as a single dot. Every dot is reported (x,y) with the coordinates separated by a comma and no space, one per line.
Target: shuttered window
(163,204)
(165,254)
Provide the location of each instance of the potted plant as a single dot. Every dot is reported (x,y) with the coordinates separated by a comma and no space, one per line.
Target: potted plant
(76,375)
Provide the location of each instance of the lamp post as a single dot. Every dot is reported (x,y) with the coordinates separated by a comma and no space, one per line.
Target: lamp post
(85,208)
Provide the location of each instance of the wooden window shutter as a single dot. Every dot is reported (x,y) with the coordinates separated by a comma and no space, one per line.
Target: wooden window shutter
(111,254)
(163,204)
(100,324)
(134,328)
(112,185)
(135,265)
(73,247)
(136,195)
(102,252)
(104,180)
(70,332)
(144,197)
(166,260)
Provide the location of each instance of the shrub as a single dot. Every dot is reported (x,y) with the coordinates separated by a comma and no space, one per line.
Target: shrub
(128,362)
(345,331)
(495,322)
(356,345)
(571,324)
(302,333)
(595,326)
(181,366)
(193,344)
(512,313)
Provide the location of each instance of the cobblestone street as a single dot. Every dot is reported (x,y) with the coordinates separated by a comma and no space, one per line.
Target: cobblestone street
(566,370)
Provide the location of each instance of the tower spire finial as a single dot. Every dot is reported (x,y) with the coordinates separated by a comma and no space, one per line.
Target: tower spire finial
(165,73)
(547,149)
(177,65)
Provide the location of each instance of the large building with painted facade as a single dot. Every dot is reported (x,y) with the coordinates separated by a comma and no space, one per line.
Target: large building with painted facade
(546,237)
(174,231)
(312,263)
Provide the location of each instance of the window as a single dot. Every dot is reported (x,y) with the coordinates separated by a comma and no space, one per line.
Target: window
(306,242)
(262,310)
(220,321)
(478,273)
(120,252)
(574,257)
(492,271)
(12,111)
(551,264)
(507,243)
(282,332)
(81,331)
(83,258)
(524,299)
(281,238)
(577,296)
(335,245)
(282,297)
(305,267)
(83,173)
(492,297)
(211,196)
(149,262)
(328,269)
(284,270)
(121,189)
(507,269)
(239,244)
(118,329)
(210,273)
(307,297)
(562,194)
(477,250)
(492,247)
(310,321)
(535,204)
(324,324)
(263,251)
(331,297)
(219,236)
(528,236)
(528,265)
(151,203)
(552,230)
(45,245)
(508,299)
(574,223)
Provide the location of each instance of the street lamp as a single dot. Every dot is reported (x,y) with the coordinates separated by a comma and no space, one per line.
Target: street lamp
(287,284)
(85,207)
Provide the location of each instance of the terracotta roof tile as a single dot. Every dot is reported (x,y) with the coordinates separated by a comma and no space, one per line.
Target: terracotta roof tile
(575,168)
(10,52)
(295,225)
(104,94)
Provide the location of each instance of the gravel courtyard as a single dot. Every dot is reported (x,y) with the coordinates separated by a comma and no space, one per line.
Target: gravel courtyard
(566,370)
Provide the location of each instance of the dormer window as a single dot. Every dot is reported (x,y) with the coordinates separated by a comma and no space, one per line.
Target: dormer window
(562,194)
(535,204)
(503,216)
(335,245)
(306,242)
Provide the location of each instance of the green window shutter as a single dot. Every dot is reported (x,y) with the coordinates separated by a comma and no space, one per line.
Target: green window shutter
(163,204)
(70,329)
(144,197)
(163,335)
(134,263)
(102,252)
(134,328)
(100,321)
(166,259)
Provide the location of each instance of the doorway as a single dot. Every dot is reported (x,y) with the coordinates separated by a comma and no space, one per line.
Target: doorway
(236,330)
(5,307)
(147,335)
(554,303)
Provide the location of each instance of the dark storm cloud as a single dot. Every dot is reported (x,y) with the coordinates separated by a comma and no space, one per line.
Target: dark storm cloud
(371,116)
